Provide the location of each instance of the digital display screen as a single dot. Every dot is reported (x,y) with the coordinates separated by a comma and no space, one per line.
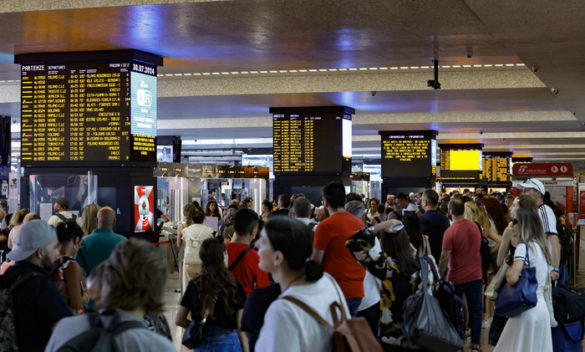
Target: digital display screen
(311,143)
(461,162)
(82,113)
(164,153)
(496,168)
(406,155)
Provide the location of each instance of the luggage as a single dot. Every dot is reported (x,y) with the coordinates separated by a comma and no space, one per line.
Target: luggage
(425,324)
(451,303)
(569,307)
(569,341)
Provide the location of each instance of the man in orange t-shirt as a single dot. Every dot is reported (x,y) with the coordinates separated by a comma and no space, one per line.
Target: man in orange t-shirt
(329,246)
(246,270)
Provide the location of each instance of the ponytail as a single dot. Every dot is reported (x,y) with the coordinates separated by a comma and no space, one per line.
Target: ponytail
(313,271)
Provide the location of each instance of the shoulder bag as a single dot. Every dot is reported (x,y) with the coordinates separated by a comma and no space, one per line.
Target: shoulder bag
(516,299)
(348,334)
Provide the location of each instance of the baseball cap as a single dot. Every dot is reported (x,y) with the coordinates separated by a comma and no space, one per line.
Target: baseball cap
(534,184)
(61,201)
(33,235)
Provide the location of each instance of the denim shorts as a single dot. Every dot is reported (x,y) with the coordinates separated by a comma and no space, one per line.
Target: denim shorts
(220,341)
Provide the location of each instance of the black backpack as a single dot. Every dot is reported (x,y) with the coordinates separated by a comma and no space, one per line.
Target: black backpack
(486,256)
(99,337)
(71,220)
(566,240)
(569,307)
(8,330)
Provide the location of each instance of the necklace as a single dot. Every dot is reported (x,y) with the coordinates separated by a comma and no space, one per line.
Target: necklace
(293,281)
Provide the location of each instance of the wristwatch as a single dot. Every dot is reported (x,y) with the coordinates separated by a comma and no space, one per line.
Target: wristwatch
(555,269)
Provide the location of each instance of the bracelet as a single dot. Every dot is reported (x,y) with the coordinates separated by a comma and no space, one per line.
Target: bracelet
(555,269)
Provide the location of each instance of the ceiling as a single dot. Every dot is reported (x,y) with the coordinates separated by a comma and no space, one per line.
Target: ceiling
(513,76)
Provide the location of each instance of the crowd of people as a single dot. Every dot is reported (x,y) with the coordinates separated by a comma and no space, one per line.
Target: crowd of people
(248,285)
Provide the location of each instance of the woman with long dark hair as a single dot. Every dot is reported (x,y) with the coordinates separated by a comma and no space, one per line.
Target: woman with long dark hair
(212,209)
(396,267)
(216,297)
(284,248)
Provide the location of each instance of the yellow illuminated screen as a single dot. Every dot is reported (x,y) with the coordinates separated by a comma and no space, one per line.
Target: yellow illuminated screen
(461,160)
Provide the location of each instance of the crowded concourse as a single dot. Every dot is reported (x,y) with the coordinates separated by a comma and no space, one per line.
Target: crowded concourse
(241,292)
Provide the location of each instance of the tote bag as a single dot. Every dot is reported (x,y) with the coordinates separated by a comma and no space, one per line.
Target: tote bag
(516,299)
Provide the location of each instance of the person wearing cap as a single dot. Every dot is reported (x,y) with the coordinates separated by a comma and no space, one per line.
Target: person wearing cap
(535,188)
(38,305)
(60,206)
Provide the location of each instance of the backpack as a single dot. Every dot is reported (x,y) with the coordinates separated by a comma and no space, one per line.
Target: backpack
(67,221)
(99,337)
(569,306)
(566,241)
(486,256)
(353,334)
(451,303)
(8,332)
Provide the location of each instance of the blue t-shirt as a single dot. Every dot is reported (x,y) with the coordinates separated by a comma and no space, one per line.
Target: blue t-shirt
(433,223)
(96,248)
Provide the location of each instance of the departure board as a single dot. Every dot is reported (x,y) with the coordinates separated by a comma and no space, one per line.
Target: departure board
(496,167)
(409,154)
(311,142)
(461,162)
(87,112)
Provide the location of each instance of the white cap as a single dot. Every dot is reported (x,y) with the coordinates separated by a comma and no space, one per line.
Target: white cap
(534,184)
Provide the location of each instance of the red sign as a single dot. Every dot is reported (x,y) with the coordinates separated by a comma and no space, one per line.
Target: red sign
(582,205)
(543,170)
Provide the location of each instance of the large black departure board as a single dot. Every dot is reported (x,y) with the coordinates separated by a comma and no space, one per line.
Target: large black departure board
(496,167)
(88,112)
(409,154)
(307,141)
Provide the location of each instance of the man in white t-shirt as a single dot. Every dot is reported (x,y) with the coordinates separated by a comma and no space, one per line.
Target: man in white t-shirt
(535,188)
(60,206)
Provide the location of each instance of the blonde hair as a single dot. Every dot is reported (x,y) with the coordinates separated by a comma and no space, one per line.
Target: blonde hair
(531,230)
(18,217)
(132,276)
(89,218)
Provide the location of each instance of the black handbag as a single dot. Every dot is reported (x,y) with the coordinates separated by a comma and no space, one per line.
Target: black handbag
(424,321)
(516,299)
(193,335)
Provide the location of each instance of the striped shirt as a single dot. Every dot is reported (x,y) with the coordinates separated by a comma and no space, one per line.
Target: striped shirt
(549,221)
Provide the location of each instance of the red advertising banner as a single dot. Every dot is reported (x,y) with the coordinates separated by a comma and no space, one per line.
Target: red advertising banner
(582,205)
(543,170)
(570,207)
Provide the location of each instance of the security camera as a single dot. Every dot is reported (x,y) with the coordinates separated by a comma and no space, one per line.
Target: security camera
(480,131)
(434,84)
(554,91)
(374,93)
(469,55)
(534,68)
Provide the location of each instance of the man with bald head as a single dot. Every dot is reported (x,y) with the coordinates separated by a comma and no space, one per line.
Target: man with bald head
(98,245)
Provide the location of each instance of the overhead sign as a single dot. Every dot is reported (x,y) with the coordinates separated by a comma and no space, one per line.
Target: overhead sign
(543,170)
(408,154)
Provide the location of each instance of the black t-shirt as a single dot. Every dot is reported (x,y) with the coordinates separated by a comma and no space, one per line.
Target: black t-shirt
(37,306)
(256,306)
(433,223)
(222,319)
